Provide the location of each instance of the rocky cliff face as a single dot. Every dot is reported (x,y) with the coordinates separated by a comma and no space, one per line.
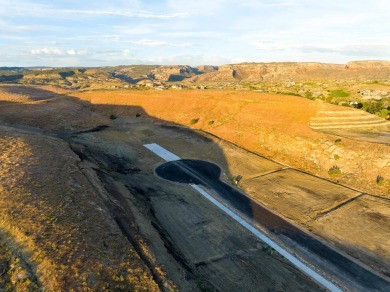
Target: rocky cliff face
(256,72)
(206,68)
(284,71)
(356,65)
(247,72)
(172,73)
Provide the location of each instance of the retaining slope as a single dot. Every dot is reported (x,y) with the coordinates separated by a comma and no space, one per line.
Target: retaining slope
(346,120)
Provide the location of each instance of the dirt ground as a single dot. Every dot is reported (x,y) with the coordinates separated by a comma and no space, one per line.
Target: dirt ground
(363,234)
(167,235)
(357,222)
(101,219)
(276,126)
(299,197)
(56,224)
(376,136)
(195,242)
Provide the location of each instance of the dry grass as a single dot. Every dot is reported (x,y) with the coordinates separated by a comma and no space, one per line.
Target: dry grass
(53,222)
(58,224)
(16,272)
(276,126)
(363,226)
(273,125)
(47,108)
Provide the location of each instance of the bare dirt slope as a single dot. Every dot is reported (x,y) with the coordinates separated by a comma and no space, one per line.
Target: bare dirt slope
(308,201)
(272,125)
(260,72)
(167,235)
(56,231)
(99,220)
(49,109)
(278,127)
(205,247)
(54,222)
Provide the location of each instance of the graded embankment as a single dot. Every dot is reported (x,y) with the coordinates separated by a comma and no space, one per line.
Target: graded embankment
(277,126)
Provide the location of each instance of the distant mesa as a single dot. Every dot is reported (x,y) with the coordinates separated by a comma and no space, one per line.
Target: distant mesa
(133,75)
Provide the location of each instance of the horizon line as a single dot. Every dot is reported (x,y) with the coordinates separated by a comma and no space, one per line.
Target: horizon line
(167,65)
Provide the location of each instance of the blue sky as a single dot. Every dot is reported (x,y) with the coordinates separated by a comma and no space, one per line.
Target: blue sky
(195,32)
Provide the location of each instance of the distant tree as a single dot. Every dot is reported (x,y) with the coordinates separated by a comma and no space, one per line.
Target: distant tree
(65,74)
(372,107)
(10,78)
(383,113)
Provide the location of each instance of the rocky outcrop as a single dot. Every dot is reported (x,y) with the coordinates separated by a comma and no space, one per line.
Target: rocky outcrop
(368,94)
(224,73)
(172,73)
(356,65)
(206,68)
(256,72)
(247,72)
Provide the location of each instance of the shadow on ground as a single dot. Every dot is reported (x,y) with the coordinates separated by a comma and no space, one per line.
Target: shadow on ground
(182,239)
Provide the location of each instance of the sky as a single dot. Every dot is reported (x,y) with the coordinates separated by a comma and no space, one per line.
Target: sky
(191,32)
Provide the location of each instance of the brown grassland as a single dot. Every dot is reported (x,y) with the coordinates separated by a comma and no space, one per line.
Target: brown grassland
(56,231)
(276,126)
(52,222)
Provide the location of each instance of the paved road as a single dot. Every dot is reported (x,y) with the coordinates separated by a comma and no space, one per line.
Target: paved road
(338,266)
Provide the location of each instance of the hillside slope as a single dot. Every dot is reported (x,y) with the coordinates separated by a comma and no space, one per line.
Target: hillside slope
(276,126)
(56,232)
(121,76)
(255,72)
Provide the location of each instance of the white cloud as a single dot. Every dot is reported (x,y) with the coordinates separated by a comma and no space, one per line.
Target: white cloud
(130,14)
(57,52)
(130,10)
(357,49)
(185,45)
(196,7)
(258,4)
(324,52)
(47,51)
(190,59)
(7,27)
(209,34)
(239,60)
(158,43)
(76,52)
(151,43)
(133,30)
(349,48)
(192,32)
(21,8)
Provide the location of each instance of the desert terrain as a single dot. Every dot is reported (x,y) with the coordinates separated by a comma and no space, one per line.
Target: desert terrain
(83,209)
